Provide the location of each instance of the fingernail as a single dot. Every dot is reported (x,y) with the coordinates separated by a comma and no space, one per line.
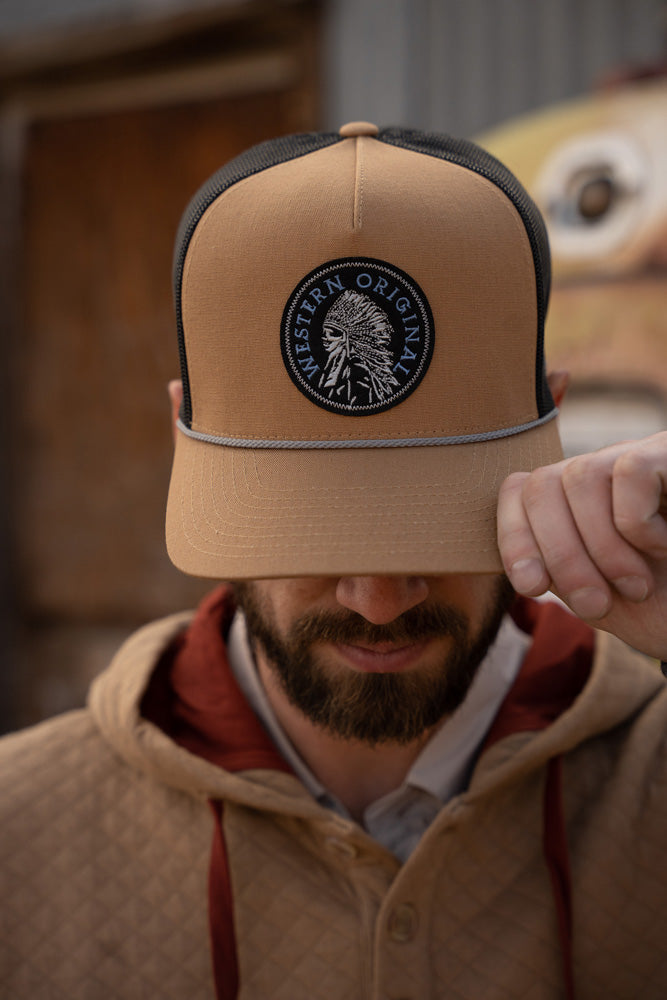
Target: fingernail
(589,602)
(634,588)
(526,574)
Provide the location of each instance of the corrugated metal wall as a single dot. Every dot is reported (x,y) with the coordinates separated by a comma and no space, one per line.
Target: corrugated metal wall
(462,65)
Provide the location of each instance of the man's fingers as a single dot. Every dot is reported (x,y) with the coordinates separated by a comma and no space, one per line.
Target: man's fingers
(588,527)
(639,495)
(587,484)
(557,542)
(519,551)
(593,529)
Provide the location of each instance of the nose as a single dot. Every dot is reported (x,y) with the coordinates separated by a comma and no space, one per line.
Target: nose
(381,599)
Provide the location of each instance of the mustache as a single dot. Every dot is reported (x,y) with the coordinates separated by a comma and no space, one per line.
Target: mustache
(421,622)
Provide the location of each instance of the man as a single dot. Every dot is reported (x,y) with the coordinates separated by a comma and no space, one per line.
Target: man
(367,768)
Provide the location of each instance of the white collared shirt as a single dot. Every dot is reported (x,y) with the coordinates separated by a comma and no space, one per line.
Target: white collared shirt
(442,769)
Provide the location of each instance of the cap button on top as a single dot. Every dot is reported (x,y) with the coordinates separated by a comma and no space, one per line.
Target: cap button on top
(353,129)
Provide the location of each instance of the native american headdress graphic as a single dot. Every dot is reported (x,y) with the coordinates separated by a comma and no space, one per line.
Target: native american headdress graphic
(357,339)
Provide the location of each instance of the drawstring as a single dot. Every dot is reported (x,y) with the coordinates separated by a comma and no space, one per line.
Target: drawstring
(221,921)
(554,844)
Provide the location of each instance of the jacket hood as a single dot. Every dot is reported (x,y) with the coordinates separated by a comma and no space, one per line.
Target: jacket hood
(546,713)
(115,702)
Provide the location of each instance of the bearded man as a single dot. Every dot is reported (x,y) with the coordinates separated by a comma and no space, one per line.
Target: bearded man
(369,766)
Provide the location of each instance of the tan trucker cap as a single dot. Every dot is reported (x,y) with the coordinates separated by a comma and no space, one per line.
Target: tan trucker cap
(360,320)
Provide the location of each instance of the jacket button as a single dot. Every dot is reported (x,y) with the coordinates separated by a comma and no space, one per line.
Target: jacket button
(402,923)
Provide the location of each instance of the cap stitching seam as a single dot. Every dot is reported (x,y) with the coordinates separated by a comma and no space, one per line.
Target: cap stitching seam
(358,185)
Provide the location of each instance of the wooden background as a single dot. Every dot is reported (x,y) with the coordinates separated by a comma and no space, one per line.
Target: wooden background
(94,347)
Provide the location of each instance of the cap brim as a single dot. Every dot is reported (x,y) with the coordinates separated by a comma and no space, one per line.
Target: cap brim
(241,513)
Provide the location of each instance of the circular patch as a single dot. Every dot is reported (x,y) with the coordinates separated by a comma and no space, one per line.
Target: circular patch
(357,336)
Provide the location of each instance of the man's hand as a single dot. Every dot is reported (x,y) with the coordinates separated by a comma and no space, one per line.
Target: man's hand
(592,530)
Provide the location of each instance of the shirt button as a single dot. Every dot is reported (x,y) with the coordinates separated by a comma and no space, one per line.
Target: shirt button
(343,848)
(402,924)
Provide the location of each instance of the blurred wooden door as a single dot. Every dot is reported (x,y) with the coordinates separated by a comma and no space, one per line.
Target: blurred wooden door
(91,445)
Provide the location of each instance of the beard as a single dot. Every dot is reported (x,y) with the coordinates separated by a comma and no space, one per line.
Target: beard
(374,708)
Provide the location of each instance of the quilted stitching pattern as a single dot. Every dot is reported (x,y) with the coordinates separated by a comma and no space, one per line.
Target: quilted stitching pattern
(304,920)
(619,809)
(104,870)
(481,891)
(485,922)
(103,896)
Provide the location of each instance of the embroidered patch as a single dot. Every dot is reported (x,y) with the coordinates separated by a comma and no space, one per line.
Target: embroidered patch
(357,336)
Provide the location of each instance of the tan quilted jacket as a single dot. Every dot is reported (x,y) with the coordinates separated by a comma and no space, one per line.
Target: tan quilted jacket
(105,841)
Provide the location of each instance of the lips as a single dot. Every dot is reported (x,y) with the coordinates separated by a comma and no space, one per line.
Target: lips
(383,657)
